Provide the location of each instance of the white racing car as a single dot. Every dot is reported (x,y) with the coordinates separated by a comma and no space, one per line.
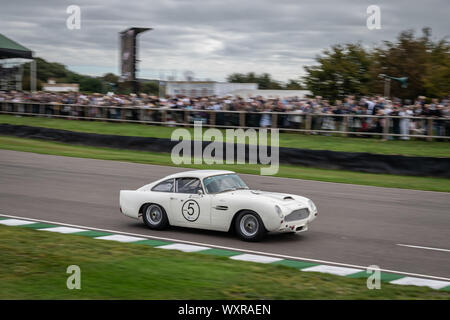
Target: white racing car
(216,200)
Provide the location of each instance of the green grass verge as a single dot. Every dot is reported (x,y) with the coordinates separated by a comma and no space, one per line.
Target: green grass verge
(33,265)
(292,140)
(287,171)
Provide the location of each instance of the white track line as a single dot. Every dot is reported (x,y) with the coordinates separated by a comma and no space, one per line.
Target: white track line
(182,247)
(63,230)
(120,238)
(412,281)
(340,271)
(419,247)
(15,222)
(255,258)
(230,248)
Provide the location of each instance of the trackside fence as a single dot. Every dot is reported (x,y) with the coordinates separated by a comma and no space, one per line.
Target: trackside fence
(385,127)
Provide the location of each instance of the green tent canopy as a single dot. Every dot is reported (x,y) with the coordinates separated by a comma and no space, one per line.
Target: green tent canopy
(11,49)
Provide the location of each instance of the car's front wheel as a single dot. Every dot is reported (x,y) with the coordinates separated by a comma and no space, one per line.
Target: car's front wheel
(155,216)
(249,226)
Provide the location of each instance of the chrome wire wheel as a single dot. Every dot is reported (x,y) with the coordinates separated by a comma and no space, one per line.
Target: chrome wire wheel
(249,225)
(154,214)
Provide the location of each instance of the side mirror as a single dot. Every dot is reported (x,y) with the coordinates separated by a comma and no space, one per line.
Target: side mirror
(200,192)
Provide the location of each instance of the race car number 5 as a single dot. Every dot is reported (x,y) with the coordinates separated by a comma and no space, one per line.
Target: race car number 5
(190,210)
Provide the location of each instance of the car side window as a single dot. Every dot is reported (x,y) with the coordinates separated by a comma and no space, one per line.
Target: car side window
(188,185)
(165,186)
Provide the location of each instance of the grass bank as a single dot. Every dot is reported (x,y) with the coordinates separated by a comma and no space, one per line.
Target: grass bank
(291,140)
(33,266)
(287,171)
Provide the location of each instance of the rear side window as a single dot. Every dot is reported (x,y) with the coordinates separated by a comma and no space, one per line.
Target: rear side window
(188,185)
(165,186)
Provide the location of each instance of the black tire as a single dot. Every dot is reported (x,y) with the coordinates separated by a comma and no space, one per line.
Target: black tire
(249,226)
(155,216)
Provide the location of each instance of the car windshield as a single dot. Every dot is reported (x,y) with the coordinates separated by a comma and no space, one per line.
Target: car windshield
(224,182)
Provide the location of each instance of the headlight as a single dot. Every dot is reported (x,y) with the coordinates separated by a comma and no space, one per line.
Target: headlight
(279,212)
(312,206)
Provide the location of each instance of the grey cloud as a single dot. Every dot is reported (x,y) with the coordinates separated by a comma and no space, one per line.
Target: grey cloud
(213,38)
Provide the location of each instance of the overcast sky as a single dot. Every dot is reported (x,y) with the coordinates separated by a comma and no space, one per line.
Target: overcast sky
(212,38)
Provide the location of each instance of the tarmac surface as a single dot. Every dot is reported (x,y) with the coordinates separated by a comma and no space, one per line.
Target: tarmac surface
(357,225)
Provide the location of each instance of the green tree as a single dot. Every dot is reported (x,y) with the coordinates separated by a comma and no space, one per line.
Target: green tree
(110,82)
(436,80)
(149,87)
(293,85)
(408,57)
(351,69)
(264,80)
(46,70)
(342,70)
(91,85)
(110,77)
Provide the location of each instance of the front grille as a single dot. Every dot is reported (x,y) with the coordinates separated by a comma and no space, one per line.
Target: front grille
(297,215)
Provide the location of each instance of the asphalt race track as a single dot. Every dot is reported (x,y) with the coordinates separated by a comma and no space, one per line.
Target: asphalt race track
(358,225)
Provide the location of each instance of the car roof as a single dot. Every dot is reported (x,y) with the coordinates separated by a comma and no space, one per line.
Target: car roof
(198,173)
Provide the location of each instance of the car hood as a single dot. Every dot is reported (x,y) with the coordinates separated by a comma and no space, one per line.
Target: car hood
(281,199)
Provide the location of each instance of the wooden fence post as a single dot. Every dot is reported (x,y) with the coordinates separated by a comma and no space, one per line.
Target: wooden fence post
(386,128)
(274,120)
(242,119)
(429,129)
(212,118)
(186,117)
(308,124)
(345,134)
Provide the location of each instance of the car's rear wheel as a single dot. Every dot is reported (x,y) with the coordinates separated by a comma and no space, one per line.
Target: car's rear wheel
(155,216)
(249,226)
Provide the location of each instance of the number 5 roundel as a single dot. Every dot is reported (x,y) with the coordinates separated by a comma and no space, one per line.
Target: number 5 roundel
(190,210)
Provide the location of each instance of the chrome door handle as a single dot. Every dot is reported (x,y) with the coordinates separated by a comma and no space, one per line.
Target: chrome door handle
(221,208)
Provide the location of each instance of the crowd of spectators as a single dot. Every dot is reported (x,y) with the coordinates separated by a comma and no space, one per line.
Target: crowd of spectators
(326,116)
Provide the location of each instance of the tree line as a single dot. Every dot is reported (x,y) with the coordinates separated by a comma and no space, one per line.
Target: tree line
(88,84)
(353,69)
(338,71)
